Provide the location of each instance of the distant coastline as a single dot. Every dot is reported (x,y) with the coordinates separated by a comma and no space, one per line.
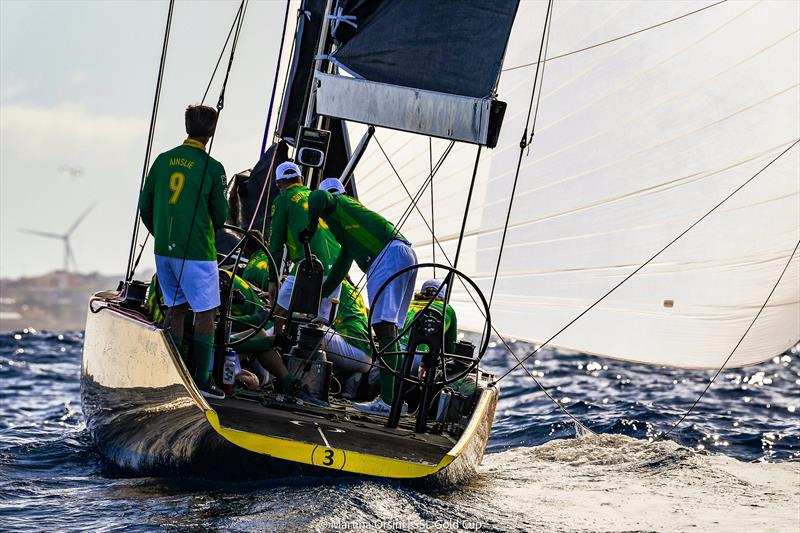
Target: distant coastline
(54,302)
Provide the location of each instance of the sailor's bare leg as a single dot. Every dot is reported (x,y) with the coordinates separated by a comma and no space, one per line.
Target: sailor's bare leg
(385,329)
(173,322)
(204,344)
(272,361)
(204,323)
(280,314)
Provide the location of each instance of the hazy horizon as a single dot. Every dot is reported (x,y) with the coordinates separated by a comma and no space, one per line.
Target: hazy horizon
(74,116)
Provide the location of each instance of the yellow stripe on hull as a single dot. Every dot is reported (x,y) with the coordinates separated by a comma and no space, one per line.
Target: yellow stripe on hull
(128,360)
(349,461)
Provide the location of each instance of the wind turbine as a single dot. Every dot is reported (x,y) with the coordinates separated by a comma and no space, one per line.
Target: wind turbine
(69,255)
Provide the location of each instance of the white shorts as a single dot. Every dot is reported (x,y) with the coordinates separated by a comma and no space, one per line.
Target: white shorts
(199,282)
(396,297)
(344,355)
(285,297)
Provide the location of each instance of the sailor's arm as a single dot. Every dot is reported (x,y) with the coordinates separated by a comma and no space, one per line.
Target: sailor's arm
(277,235)
(320,204)
(338,272)
(217,203)
(146,197)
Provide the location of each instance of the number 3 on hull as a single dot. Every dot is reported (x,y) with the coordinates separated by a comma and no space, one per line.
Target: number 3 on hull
(328,457)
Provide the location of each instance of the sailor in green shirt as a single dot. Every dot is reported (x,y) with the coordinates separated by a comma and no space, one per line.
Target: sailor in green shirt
(256,272)
(428,292)
(246,303)
(289,218)
(182,203)
(380,251)
(347,342)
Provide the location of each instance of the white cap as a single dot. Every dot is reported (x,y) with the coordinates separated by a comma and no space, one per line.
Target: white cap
(332,185)
(287,170)
(431,286)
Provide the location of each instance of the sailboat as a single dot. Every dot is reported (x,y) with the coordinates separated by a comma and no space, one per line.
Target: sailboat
(615,178)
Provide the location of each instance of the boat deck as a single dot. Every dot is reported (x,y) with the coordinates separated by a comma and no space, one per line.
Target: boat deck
(339,426)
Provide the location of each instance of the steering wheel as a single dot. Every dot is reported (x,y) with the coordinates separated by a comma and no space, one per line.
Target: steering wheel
(236,252)
(466,363)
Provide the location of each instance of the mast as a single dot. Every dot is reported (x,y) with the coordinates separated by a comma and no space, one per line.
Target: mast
(318,61)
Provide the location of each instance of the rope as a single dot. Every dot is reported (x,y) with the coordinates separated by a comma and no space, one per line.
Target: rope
(524,141)
(408,193)
(222,53)
(280,107)
(664,435)
(640,267)
(275,82)
(615,39)
(153,115)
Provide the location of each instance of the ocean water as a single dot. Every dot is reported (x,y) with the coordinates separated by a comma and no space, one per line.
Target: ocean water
(734,464)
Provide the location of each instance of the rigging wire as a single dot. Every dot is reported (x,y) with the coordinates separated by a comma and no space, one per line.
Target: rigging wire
(222,53)
(151,134)
(433,215)
(266,187)
(654,256)
(538,383)
(202,102)
(615,39)
(220,105)
(524,141)
(275,82)
(401,221)
(664,435)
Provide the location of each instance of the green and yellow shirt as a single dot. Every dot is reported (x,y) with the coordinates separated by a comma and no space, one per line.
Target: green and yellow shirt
(250,309)
(257,269)
(167,202)
(289,218)
(361,233)
(450,323)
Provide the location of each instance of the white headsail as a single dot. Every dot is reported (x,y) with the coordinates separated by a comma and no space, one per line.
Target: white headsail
(635,140)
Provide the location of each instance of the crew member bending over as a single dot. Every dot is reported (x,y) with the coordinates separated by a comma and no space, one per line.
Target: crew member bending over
(182,203)
(380,251)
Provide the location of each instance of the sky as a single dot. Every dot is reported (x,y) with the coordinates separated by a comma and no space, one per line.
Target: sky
(77,81)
